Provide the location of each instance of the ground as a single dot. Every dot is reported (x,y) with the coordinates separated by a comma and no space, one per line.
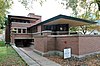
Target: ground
(91,60)
(9,57)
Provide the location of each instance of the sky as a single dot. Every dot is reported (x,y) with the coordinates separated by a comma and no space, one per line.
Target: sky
(49,9)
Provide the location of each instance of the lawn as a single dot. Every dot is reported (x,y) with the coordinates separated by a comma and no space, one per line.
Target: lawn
(9,57)
(2,44)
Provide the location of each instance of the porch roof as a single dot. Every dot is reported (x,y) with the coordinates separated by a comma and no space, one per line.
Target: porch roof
(63,19)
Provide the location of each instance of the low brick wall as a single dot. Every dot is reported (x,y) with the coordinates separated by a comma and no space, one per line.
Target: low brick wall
(89,44)
(80,45)
(68,42)
(44,43)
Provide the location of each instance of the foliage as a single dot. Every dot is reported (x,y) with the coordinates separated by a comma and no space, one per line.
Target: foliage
(4,6)
(28,3)
(85,9)
(74,28)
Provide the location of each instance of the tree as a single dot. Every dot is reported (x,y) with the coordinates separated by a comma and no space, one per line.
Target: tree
(4,6)
(28,3)
(85,9)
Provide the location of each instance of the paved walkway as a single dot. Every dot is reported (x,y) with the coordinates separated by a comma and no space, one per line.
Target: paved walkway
(42,61)
(33,59)
(26,58)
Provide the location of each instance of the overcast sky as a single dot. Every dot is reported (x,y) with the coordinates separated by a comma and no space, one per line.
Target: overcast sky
(49,9)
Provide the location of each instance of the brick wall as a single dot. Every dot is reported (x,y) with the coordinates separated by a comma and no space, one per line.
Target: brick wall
(23,35)
(68,42)
(35,16)
(89,44)
(15,24)
(51,44)
(80,45)
(44,43)
(40,43)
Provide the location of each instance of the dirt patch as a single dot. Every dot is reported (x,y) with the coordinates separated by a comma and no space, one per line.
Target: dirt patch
(90,60)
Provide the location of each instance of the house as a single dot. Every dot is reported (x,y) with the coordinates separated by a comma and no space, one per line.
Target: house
(16,29)
(51,36)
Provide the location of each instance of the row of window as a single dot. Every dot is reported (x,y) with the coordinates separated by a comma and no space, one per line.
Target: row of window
(58,27)
(21,21)
(18,30)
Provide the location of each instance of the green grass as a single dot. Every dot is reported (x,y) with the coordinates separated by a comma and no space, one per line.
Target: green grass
(9,57)
(2,44)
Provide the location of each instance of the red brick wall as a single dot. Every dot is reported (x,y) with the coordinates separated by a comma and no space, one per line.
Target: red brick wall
(44,43)
(21,24)
(35,16)
(23,35)
(67,42)
(51,44)
(89,44)
(80,44)
(40,43)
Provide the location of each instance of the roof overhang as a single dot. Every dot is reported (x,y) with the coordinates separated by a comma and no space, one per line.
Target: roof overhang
(63,19)
(22,18)
(67,21)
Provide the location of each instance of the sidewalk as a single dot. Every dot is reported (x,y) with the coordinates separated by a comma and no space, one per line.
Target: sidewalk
(42,61)
(26,58)
(33,59)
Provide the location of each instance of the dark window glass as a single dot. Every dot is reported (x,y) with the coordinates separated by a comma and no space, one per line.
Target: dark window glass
(15,29)
(19,30)
(24,30)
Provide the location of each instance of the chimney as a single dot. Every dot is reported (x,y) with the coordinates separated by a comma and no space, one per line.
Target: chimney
(31,14)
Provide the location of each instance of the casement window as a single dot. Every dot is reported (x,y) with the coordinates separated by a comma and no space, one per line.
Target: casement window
(24,30)
(15,30)
(19,30)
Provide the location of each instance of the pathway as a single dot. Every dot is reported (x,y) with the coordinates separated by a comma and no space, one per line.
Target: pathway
(33,59)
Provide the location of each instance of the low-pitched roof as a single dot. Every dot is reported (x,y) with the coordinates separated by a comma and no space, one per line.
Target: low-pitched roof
(64,17)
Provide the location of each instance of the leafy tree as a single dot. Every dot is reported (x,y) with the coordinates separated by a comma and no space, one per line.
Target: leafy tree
(28,3)
(4,6)
(85,9)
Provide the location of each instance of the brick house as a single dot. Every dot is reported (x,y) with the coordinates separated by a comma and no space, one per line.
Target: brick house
(16,29)
(51,36)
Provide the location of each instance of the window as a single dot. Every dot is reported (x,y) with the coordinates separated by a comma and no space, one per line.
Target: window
(19,30)
(15,28)
(24,30)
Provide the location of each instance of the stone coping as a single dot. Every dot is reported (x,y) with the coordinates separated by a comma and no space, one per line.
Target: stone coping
(67,36)
(74,35)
